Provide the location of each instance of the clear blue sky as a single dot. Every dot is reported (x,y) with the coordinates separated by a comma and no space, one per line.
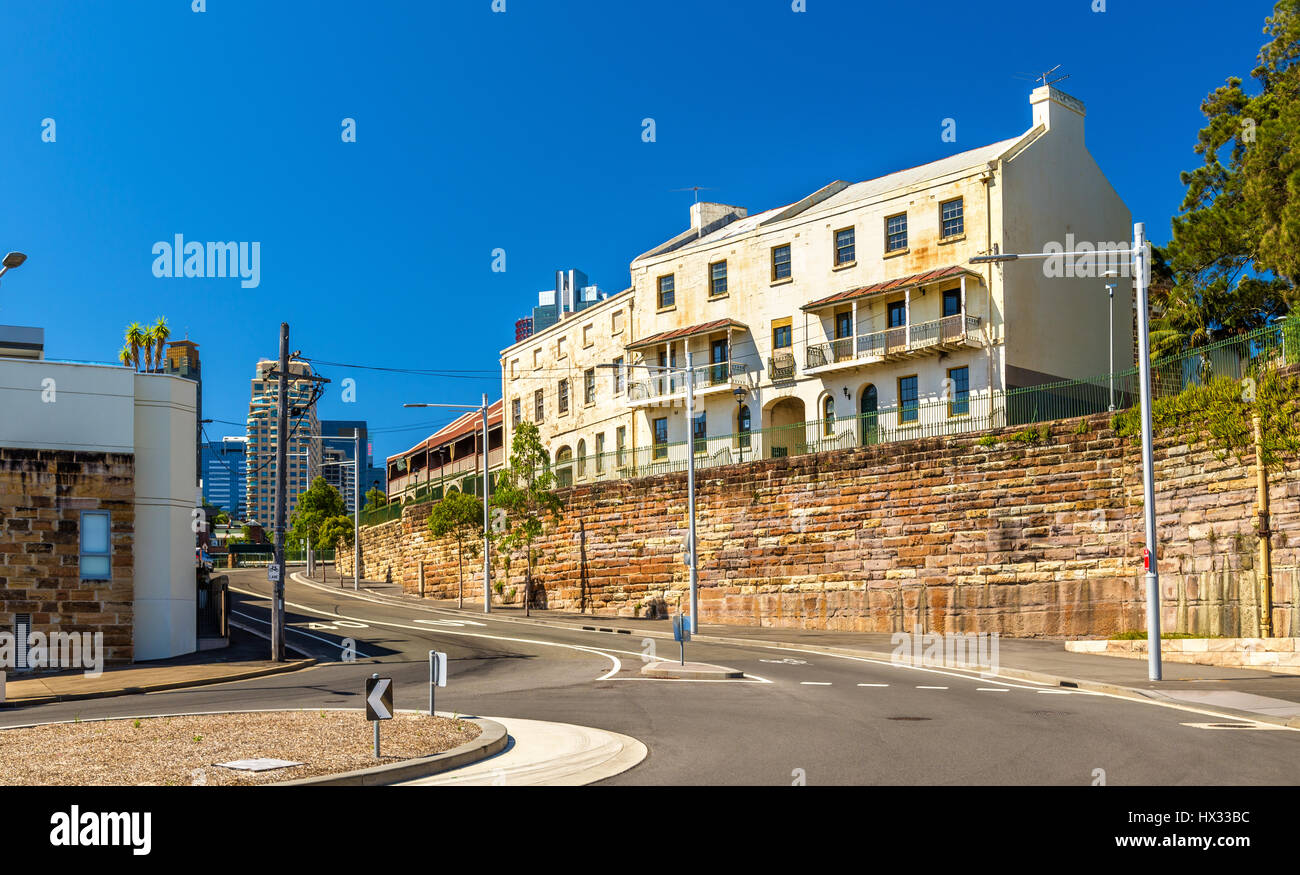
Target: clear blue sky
(519,130)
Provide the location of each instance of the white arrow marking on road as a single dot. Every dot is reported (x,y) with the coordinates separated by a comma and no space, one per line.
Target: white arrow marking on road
(375,699)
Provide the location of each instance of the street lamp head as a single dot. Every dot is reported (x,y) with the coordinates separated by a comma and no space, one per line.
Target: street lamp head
(14,259)
(993,259)
(740,394)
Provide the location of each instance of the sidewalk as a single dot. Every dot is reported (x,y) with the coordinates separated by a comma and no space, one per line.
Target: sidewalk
(242,660)
(1260,694)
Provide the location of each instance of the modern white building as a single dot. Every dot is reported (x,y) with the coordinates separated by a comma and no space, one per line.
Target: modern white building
(106,459)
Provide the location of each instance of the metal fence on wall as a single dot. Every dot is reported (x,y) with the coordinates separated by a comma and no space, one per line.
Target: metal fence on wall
(1234,358)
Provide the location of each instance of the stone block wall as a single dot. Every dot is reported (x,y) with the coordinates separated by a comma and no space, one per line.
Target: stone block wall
(42,494)
(1019,538)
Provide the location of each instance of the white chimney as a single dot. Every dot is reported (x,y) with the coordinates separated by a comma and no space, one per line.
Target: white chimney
(1058,111)
(705,215)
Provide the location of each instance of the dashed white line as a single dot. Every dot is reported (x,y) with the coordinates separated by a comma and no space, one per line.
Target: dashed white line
(932,688)
(991,690)
(873,685)
(815,683)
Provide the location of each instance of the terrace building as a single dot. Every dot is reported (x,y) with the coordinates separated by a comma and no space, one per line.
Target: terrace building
(850,316)
(448,460)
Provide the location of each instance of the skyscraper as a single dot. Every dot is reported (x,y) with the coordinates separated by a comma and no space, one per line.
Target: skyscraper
(225,470)
(263,438)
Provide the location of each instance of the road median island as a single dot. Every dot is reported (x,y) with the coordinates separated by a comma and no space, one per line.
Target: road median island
(328,746)
(690,671)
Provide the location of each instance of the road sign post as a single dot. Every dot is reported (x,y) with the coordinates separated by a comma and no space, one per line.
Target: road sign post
(379,703)
(437,674)
(681,633)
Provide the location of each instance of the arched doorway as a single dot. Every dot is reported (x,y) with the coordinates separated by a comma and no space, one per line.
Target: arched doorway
(564,467)
(787,428)
(869,426)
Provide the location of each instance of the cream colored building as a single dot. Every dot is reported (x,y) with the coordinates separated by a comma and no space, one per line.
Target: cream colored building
(851,316)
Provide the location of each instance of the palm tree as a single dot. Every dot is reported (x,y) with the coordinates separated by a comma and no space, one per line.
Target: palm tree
(160,334)
(124,356)
(136,341)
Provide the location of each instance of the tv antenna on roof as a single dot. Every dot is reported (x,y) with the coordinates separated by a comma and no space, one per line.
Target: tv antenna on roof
(697,189)
(1044,78)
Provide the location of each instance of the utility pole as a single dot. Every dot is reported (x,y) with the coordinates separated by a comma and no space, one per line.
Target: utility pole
(1140,268)
(281,495)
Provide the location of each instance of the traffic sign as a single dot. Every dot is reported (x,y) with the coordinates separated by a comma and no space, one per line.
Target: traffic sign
(379,698)
(681,628)
(437,668)
(273,572)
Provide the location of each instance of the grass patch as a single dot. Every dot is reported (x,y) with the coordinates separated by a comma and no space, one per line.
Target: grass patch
(1164,636)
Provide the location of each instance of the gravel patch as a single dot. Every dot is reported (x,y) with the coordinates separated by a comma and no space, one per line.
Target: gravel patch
(185,750)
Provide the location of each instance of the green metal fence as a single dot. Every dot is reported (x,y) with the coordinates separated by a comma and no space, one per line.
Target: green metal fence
(1235,358)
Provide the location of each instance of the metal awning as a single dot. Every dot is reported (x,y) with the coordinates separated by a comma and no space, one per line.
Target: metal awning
(683,333)
(898,285)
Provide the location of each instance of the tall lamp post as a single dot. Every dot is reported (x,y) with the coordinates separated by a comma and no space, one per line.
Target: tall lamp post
(1110,294)
(11,260)
(487,481)
(1140,264)
(689,372)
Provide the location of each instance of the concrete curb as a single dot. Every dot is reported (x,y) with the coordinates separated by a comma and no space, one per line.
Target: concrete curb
(1116,690)
(158,688)
(491,741)
(691,671)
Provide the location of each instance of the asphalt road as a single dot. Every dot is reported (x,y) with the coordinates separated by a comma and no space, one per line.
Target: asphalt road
(803,716)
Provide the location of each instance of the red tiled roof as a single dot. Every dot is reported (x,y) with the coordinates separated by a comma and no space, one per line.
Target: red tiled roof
(679,333)
(462,425)
(904,282)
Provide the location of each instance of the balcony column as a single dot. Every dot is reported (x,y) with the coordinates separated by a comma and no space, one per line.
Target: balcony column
(853,351)
(907,318)
(963,304)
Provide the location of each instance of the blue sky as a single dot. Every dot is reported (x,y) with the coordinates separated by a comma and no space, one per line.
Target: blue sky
(478,130)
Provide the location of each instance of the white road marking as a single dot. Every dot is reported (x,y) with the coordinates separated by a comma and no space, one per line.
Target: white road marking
(360,655)
(873,685)
(991,690)
(931,688)
(815,683)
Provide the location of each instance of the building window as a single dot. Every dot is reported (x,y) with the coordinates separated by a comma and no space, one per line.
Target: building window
(96,545)
(781,262)
(952,302)
(744,425)
(909,399)
(600,453)
(896,233)
(563,403)
(667,295)
(539,406)
(560,351)
(620,445)
(537,358)
(661,438)
(828,416)
(782,338)
(582,459)
(844,248)
(618,376)
(616,322)
(586,336)
(516,412)
(950,218)
(589,386)
(897,314)
(843,324)
(959,391)
(700,433)
(717,279)
(514,368)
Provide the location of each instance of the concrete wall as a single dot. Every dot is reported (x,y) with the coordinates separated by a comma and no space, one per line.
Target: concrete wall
(1020,539)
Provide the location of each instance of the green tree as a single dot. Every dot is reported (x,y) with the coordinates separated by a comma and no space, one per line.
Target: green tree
(375,498)
(1235,253)
(336,530)
(137,340)
(159,332)
(525,493)
(460,516)
(320,503)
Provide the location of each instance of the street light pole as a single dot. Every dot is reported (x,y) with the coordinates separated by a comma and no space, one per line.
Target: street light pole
(356,513)
(690,487)
(1138,255)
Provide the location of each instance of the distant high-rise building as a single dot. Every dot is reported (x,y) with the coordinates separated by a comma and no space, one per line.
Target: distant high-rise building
(303,454)
(343,476)
(571,294)
(225,468)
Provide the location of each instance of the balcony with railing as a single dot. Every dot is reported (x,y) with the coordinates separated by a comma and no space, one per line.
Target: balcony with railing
(662,389)
(893,344)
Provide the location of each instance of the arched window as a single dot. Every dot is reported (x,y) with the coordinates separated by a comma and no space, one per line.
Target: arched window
(582,459)
(828,416)
(870,428)
(564,467)
(743,426)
